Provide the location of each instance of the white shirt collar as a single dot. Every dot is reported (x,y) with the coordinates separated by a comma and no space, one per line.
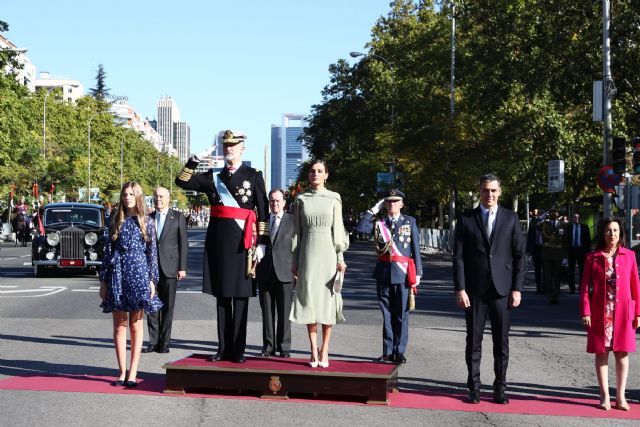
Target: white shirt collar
(396,217)
(485,210)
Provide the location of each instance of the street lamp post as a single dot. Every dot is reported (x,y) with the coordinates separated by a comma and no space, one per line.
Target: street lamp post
(44,123)
(89,157)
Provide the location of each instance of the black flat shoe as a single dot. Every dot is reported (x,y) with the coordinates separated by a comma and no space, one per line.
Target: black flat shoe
(216,358)
(474,395)
(118,383)
(285,354)
(149,349)
(385,358)
(399,358)
(163,349)
(130,384)
(239,359)
(265,354)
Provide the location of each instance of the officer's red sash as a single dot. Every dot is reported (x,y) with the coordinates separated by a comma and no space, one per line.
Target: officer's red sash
(247,215)
(411,265)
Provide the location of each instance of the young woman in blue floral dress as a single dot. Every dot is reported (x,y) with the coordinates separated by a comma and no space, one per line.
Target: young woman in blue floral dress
(128,277)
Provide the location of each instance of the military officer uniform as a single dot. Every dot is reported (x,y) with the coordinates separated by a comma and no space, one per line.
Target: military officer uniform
(237,225)
(398,263)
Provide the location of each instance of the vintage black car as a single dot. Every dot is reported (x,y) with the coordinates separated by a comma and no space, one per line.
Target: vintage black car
(74,236)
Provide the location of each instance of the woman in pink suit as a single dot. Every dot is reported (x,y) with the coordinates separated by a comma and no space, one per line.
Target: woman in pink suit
(610,307)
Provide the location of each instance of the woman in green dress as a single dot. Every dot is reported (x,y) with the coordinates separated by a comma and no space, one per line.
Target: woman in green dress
(322,240)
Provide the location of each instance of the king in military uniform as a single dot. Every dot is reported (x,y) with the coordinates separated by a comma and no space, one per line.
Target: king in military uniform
(235,241)
(397,272)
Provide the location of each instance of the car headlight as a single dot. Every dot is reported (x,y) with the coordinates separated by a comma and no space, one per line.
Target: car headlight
(53,239)
(91,238)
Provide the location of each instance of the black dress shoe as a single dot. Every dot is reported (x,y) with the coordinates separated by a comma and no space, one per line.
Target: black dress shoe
(474,395)
(239,359)
(118,383)
(399,358)
(500,397)
(130,384)
(266,354)
(385,358)
(216,358)
(149,349)
(285,354)
(163,349)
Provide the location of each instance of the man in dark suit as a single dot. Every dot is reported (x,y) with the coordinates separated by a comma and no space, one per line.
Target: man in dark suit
(275,280)
(578,245)
(172,263)
(397,272)
(488,273)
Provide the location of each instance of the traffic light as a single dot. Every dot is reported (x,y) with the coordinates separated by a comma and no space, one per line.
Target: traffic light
(619,151)
(635,143)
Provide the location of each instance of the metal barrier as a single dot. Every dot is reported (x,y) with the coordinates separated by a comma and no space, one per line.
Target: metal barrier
(434,239)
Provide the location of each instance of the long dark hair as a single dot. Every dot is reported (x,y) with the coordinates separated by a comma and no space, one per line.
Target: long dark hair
(601,242)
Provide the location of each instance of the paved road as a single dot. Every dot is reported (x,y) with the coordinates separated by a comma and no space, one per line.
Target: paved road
(54,325)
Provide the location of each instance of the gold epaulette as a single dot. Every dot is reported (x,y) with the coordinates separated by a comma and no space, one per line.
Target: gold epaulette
(185,174)
(263,228)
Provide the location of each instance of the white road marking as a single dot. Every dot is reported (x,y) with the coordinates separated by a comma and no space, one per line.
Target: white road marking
(50,290)
(7,286)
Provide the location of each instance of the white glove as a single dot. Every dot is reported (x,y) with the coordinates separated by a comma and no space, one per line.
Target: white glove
(260,250)
(417,281)
(376,208)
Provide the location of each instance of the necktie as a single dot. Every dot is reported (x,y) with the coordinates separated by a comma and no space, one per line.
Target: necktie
(160,223)
(275,223)
(489,224)
(393,222)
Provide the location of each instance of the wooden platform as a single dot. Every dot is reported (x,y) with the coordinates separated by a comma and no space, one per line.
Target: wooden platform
(275,378)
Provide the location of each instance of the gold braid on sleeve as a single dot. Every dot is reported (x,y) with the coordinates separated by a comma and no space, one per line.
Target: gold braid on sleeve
(185,174)
(263,228)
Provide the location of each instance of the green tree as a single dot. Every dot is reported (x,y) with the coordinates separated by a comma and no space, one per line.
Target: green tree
(100,92)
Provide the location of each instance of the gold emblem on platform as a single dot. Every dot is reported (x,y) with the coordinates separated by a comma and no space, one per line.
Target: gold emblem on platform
(275,385)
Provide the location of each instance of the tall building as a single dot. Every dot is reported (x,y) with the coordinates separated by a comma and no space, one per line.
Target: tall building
(287,151)
(182,140)
(168,114)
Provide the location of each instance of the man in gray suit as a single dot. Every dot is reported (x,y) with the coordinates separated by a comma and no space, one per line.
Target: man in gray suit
(275,281)
(172,263)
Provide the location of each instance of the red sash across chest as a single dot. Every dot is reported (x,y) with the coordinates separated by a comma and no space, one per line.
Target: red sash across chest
(247,215)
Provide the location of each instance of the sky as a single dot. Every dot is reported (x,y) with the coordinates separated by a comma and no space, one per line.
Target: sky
(227,64)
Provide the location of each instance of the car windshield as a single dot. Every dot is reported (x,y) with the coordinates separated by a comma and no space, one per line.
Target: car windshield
(74,215)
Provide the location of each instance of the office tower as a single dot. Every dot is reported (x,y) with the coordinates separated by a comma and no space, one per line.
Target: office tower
(287,151)
(182,140)
(168,113)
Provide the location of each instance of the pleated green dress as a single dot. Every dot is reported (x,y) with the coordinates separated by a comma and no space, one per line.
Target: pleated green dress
(322,241)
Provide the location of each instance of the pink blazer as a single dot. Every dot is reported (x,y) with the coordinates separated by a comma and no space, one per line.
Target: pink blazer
(627,300)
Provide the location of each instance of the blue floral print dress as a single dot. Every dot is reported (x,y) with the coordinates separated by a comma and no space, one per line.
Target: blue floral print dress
(128,267)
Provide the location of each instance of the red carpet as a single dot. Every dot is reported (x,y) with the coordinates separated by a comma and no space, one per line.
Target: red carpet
(538,405)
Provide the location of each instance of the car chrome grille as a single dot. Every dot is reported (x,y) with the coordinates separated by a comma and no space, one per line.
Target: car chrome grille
(72,243)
